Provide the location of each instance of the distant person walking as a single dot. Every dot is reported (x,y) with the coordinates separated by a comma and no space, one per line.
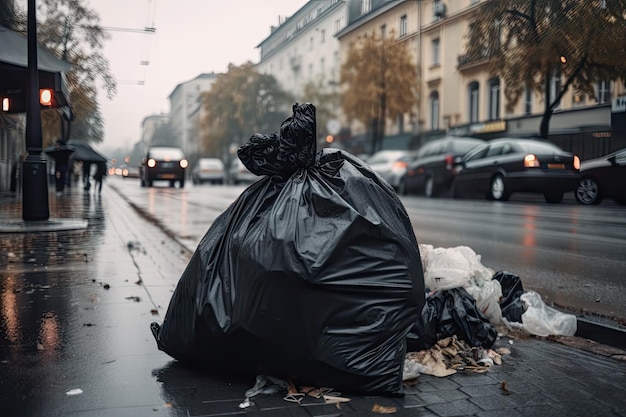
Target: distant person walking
(101,171)
(86,175)
(61,165)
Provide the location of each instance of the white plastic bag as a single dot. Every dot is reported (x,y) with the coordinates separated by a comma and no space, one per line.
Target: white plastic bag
(541,320)
(446,268)
(487,295)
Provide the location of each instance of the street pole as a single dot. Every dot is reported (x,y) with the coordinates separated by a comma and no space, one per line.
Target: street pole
(34,167)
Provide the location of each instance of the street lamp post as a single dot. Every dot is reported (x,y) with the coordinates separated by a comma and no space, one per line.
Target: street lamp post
(34,167)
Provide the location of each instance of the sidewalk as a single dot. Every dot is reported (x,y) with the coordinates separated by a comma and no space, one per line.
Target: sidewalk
(75,308)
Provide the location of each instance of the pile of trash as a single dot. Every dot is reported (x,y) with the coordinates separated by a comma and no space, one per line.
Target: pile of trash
(468,300)
(314,275)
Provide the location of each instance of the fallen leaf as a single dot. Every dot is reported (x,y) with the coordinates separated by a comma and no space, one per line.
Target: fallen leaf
(383,410)
(504,388)
(332,399)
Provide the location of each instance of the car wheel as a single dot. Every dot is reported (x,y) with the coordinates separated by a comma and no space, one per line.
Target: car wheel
(429,187)
(143,182)
(182,183)
(149,183)
(554,197)
(588,192)
(497,190)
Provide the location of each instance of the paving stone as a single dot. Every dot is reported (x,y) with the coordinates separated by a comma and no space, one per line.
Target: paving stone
(454,408)
(492,402)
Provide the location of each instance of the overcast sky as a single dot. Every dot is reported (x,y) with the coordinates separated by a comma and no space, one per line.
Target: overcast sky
(192,37)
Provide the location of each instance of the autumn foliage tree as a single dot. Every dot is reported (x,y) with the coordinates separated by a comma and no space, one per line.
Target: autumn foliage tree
(529,43)
(326,101)
(70,29)
(379,82)
(241,102)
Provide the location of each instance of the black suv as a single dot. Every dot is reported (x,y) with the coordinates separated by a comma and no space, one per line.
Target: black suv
(163,163)
(431,173)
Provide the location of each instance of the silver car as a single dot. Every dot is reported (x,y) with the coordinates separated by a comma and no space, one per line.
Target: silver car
(391,164)
(208,170)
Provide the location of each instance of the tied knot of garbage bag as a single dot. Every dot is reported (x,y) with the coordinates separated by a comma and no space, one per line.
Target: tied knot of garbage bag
(285,152)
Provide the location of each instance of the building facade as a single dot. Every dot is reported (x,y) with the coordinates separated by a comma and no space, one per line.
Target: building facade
(456,96)
(186,113)
(303,49)
(149,127)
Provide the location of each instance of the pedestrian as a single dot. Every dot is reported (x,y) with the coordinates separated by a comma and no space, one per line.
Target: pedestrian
(86,175)
(61,165)
(101,171)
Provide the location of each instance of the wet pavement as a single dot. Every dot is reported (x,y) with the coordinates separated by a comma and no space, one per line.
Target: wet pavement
(75,309)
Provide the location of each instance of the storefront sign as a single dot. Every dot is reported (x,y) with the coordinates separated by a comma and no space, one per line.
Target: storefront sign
(489,127)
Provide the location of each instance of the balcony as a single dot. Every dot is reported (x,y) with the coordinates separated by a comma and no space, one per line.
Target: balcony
(467,61)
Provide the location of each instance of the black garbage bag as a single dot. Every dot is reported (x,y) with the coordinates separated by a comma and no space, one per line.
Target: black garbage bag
(447,313)
(312,274)
(511,304)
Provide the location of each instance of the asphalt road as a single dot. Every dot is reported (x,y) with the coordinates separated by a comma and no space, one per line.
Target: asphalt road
(573,255)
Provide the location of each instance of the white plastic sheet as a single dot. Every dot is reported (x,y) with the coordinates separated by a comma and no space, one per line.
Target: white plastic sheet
(541,320)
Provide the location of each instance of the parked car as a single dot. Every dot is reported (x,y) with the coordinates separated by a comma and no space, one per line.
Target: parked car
(240,174)
(505,166)
(432,171)
(208,170)
(391,164)
(163,163)
(603,177)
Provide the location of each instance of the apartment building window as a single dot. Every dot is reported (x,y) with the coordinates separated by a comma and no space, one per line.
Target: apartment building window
(437,10)
(474,1)
(603,91)
(528,101)
(337,25)
(366,6)
(404,25)
(383,30)
(494,99)
(436,51)
(473,101)
(434,111)
(322,35)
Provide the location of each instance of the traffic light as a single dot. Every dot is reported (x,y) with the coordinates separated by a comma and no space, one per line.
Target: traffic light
(15,101)
(45,96)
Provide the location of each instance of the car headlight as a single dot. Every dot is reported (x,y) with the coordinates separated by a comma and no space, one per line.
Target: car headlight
(151,163)
(183,163)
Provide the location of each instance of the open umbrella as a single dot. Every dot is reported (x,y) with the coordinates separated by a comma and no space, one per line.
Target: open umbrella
(59,152)
(84,152)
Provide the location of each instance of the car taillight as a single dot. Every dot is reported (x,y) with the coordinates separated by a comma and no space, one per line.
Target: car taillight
(531,161)
(183,163)
(576,162)
(399,166)
(151,163)
(449,160)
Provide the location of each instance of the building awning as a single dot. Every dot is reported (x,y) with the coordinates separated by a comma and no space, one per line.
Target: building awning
(14,71)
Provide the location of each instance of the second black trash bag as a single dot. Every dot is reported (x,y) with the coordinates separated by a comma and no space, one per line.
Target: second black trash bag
(312,274)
